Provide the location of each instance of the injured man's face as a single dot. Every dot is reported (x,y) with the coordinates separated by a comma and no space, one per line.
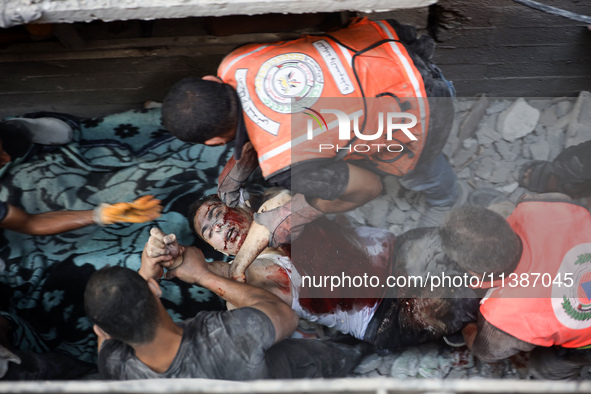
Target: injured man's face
(222,227)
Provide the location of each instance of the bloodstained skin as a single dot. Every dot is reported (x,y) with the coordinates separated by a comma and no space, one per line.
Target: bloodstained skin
(233,219)
(279,276)
(325,248)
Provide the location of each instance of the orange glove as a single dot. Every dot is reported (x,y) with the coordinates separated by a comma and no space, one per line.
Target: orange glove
(143,209)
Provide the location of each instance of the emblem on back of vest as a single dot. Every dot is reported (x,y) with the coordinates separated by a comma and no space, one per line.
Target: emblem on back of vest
(572,304)
(289,83)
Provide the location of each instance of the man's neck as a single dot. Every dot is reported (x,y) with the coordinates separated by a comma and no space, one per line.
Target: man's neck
(159,354)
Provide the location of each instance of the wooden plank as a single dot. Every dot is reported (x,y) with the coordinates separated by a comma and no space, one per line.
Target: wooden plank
(154,42)
(521,36)
(518,54)
(83,111)
(523,87)
(91,82)
(117,53)
(64,68)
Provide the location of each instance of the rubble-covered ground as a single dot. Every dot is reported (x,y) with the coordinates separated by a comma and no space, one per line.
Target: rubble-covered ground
(491,139)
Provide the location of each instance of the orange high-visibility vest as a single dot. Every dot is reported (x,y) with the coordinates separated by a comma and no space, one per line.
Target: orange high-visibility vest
(288,90)
(556,241)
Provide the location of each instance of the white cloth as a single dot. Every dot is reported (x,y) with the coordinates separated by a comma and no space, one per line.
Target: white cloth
(348,322)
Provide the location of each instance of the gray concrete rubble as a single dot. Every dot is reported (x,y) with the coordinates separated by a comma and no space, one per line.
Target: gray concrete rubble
(490,157)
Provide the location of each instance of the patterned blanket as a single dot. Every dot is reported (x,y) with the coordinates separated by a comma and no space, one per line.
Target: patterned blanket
(111,159)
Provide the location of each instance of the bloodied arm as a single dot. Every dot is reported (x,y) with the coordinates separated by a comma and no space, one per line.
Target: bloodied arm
(195,270)
(263,273)
(257,239)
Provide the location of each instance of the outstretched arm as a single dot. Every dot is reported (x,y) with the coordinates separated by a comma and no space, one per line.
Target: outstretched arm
(195,270)
(47,223)
(143,209)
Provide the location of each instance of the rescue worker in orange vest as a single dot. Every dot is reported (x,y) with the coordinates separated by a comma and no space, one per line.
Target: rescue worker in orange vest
(306,111)
(538,263)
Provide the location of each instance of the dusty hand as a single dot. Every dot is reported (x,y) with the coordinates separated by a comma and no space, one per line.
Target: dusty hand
(161,251)
(237,273)
(141,210)
(193,268)
(234,175)
(287,222)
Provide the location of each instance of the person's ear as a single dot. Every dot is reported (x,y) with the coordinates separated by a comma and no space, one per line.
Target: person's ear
(212,78)
(100,332)
(216,141)
(154,288)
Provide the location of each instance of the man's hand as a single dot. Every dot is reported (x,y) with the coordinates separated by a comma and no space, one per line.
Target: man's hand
(143,209)
(161,251)
(287,222)
(193,269)
(234,175)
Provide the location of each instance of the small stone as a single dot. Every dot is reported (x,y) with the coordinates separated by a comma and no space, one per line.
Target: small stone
(487,135)
(548,117)
(578,128)
(464,155)
(555,139)
(402,204)
(386,366)
(415,215)
(406,365)
(357,216)
(464,174)
(377,213)
(540,150)
(518,120)
(530,139)
(469,143)
(485,168)
(507,150)
(371,362)
(563,108)
(464,105)
(498,106)
(397,229)
(508,189)
(396,217)
(501,173)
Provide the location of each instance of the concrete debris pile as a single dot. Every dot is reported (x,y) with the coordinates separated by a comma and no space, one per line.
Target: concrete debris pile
(490,141)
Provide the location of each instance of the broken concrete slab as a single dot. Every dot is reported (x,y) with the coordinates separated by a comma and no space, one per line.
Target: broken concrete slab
(470,124)
(518,120)
(548,116)
(486,135)
(498,106)
(579,128)
(368,364)
(540,150)
(563,107)
(508,151)
(501,173)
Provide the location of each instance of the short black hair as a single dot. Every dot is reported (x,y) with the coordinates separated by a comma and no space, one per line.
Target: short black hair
(480,240)
(196,110)
(119,301)
(193,208)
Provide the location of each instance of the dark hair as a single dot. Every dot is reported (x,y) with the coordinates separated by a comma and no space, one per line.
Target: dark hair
(480,240)
(15,138)
(119,301)
(196,110)
(193,208)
